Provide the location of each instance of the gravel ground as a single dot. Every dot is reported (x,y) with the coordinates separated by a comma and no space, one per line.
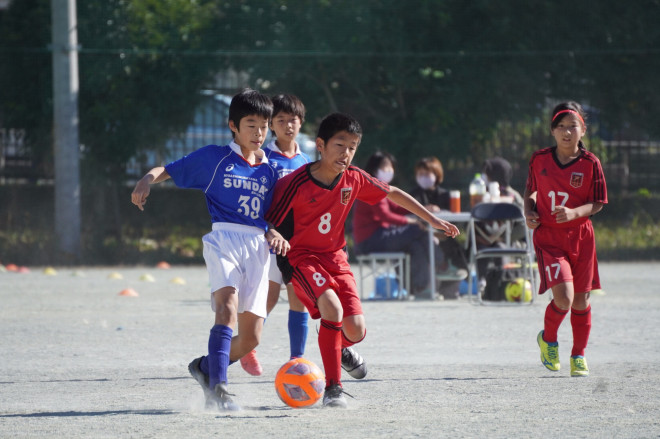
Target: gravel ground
(79,360)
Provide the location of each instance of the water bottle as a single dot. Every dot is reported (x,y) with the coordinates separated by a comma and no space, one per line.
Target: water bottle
(494,191)
(477,190)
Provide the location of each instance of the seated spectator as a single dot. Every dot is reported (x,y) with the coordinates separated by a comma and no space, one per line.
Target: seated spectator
(384,227)
(429,175)
(492,233)
(500,170)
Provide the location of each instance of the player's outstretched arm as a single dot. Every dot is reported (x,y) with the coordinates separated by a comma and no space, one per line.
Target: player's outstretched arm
(142,189)
(406,201)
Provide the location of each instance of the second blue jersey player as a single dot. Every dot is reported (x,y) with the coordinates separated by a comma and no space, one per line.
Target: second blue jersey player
(284,156)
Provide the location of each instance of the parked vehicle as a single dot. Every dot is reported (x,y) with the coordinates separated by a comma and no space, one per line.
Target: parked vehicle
(209,127)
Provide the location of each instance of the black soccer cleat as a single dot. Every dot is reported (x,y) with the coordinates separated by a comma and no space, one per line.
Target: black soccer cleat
(334,397)
(219,397)
(353,363)
(223,399)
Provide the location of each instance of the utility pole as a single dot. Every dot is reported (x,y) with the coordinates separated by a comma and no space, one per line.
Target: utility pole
(65,129)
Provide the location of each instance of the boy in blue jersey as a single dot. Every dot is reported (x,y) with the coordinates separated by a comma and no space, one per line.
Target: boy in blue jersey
(237,182)
(285,156)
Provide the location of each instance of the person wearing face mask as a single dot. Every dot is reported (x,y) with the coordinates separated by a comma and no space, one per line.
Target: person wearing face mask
(385,227)
(429,175)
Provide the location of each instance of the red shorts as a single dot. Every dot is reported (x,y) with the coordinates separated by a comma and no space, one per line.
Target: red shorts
(313,275)
(567,255)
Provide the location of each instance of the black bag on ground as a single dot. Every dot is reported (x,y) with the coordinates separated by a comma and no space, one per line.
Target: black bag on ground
(497,278)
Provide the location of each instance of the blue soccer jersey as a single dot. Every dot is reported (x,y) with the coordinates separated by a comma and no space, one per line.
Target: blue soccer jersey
(282,164)
(236,192)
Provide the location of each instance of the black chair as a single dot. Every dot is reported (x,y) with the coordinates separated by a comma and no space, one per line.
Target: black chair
(500,220)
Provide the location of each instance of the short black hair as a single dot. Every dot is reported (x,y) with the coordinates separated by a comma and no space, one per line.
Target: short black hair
(336,122)
(565,108)
(249,102)
(287,103)
(375,161)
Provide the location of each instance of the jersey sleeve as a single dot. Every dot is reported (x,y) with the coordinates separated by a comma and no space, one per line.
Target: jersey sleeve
(599,192)
(371,190)
(281,203)
(191,171)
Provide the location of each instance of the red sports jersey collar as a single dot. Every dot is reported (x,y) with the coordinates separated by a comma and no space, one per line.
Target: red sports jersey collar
(582,150)
(332,185)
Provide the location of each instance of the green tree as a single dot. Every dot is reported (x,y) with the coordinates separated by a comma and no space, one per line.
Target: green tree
(436,77)
(425,77)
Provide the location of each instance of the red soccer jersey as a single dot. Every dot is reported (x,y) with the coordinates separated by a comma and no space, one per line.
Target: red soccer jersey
(572,185)
(315,213)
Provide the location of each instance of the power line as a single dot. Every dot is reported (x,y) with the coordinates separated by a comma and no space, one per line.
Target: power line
(321,54)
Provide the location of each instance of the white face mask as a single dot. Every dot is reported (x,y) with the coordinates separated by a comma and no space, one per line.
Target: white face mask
(426,181)
(385,176)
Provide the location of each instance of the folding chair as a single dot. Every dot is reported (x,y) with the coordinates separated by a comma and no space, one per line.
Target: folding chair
(373,265)
(507,215)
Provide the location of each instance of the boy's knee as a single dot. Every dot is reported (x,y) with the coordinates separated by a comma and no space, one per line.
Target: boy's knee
(354,335)
(354,328)
(330,306)
(225,309)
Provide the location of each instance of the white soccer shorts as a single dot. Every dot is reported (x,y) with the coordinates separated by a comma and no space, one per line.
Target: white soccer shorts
(274,273)
(237,256)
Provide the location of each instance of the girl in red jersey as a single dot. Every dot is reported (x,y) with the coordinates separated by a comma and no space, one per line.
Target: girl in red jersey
(314,202)
(565,186)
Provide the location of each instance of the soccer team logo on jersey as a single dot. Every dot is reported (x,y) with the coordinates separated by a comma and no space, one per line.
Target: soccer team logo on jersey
(576,179)
(346,195)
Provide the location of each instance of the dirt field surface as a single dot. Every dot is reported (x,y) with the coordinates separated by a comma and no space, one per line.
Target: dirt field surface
(78,360)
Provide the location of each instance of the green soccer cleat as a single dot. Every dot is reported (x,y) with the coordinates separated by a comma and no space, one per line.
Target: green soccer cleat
(549,353)
(579,366)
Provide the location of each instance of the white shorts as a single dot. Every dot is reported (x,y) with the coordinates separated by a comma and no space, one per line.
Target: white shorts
(274,273)
(237,256)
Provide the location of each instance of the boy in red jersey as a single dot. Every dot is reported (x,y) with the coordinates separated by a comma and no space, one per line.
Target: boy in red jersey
(565,186)
(314,201)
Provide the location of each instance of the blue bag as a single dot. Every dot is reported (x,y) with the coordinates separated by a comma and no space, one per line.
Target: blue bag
(381,291)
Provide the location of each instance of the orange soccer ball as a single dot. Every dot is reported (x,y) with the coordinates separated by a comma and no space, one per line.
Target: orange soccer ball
(299,383)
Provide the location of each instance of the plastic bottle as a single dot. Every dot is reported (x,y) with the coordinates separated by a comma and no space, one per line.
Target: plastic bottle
(494,191)
(477,190)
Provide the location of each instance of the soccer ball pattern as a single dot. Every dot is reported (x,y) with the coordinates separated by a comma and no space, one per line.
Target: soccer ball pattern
(299,383)
(516,288)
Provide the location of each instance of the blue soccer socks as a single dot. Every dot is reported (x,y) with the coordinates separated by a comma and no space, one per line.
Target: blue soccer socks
(218,358)
(297,332)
